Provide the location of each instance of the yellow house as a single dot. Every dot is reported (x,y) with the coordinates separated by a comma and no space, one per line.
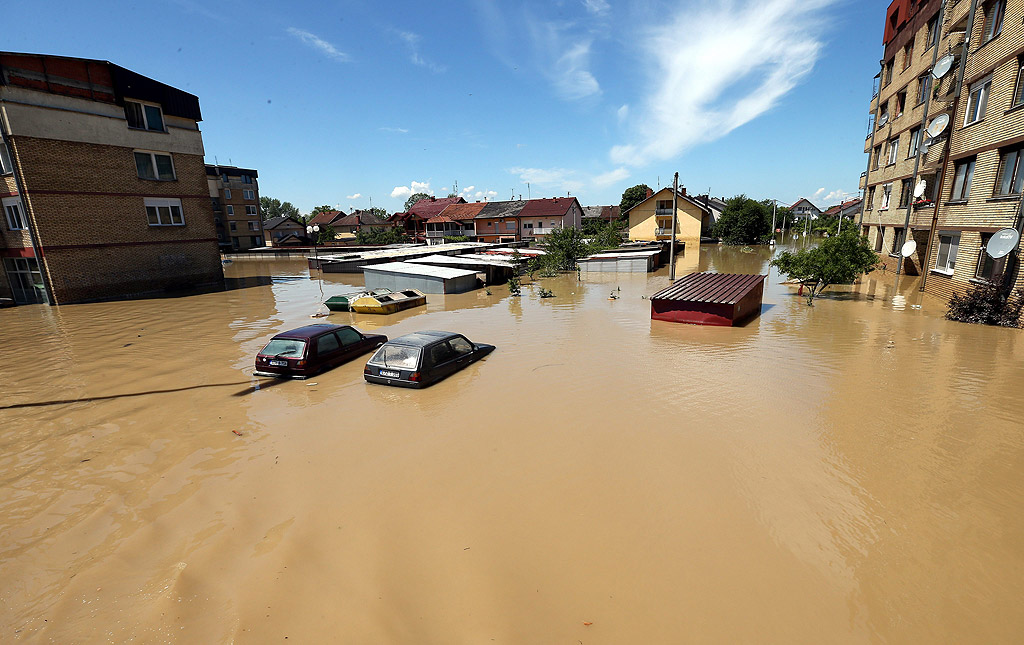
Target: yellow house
(651,219)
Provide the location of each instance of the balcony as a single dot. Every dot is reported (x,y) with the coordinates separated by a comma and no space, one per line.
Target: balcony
(452,232)
(666,232)
(663,211)
(540,231)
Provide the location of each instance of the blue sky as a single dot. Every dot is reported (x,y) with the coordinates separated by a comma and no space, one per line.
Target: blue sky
(337,103)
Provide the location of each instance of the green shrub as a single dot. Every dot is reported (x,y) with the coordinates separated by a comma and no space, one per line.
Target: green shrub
(987,304)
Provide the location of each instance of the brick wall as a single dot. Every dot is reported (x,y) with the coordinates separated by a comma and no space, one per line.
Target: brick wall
(87,205)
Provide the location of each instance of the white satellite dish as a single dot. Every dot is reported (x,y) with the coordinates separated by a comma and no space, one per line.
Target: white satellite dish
(943,65)
(938,125)
(1002,243)
(908,248)
(920,188)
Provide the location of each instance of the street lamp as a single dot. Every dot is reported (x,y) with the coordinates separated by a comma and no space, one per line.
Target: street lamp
(313,231)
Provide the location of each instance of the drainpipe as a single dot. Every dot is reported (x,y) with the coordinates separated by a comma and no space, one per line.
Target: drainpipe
(5,135)
(961,69)
(672,243)
(917,157)
(871,147)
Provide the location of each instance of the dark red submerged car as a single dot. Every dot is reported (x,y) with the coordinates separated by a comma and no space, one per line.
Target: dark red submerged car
(312,349)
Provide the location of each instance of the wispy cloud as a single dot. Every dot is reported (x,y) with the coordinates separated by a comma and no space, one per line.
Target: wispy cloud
(319,44)
(561,179)
(563,56)
(356,196)
(412,42)
(831,198)
(718,66)
(402,192)
(396,130)
(597,7)
(612,177)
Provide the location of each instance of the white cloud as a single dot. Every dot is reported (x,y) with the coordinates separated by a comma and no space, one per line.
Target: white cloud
(597,7)
(716,67)
(319,44)
(607,179)
(572,78)
(833,197)
(622,113)
(468,189)
(564,57)
(396,130)
(412,42)
(402,192)
(550,178)
(356,196)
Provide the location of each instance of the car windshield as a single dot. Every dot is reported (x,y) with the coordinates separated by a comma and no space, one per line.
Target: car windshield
(286,347)
(401,356)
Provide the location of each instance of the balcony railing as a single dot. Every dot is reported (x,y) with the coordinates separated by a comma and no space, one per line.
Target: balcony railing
(540,231)
(451,232)
(662,211)
(663,231)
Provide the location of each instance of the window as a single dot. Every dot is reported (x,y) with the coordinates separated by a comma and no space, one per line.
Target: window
(1011,175)
(6,167)
(510,226)
(248,194)
(905,193)
(933,33)
(461,345)
(879,238)
(894,150)
(924,84)
(994,12)
(878,156)
(908,54)
(227,193)
(977,101)
(231,210)
(26,280)
(664,205)
(871,198)
(886,194)
(164,212)
(250,210)
(930,189)
(143,116)
(441,353)
(327,344)
(246,179)
(962,179)
(233,226)
(1018,88)
(901,102)
(988,267)
(888,73)
(254,226)
(348,336)
(15,214)
(897,241)
(393,356)
(154,165)
(915,143)
(945,261)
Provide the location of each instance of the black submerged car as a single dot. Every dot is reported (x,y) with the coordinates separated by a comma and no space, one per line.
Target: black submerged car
(312,349)
(422,358)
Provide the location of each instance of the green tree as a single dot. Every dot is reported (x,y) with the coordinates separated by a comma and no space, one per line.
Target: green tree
(633,196)
(272,208)
(413,199)
(381,235)
(379,212)
(608,235)
(837,260)
(320,209)
(326,234)
(565,246)
(744,221)
(988,304)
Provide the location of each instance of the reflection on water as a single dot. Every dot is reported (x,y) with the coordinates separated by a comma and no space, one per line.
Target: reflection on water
(850,469)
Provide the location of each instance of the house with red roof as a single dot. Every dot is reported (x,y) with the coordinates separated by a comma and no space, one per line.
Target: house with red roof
(540,217)
(327,218)
(803,209)
(454,221)
(848,209)
(413,222)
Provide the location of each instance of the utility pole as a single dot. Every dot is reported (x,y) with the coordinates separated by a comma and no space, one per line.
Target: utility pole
(775,210)
(672,243)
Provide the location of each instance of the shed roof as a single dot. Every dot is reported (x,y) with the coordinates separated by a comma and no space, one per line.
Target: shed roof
(408,268)
(456,260)
(326,217)
(427,208)
(718,288)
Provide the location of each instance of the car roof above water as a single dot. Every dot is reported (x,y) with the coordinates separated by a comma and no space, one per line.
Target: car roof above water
(309,331)
(422,338)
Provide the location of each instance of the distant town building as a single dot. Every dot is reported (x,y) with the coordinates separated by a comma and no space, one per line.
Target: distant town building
(284,231)
(804,209)
(456,220)
(414,221)
(848,209)
(102,183)
(329,218)
(602,213)
(235,193)
(651,219)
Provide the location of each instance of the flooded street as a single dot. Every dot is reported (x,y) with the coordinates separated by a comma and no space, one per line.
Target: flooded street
(846,473)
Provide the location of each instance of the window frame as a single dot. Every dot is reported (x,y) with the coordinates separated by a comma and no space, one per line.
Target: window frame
(1018,87)
(924,86)
(248,194)
(253,226)
(14,202)
(162,202)
(886,196)
(996,267)
(901,102)
(6,161)
(915,142)
(952,250)
(982,87)
(871,198)
(229,210)
(153,154)
(932,37)
(963,175)
(894,151)
(897,241)
(1017,175)
(145,116)
(250,211)
(905,193)
(993,25)
(227,193)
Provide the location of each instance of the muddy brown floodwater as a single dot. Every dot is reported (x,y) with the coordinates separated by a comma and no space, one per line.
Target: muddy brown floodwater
(847,473)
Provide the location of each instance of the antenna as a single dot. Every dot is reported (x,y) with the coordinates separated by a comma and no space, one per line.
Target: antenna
(529,195)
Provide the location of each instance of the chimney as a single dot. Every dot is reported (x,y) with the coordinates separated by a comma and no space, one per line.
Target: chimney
(649,193)
(682,191)
(432,198)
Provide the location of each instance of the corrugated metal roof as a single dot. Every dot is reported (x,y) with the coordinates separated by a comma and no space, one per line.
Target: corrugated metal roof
(718,288)
(480,260)
(463,211)
(408,268)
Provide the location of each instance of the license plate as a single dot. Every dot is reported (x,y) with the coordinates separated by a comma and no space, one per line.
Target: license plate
(279,363)
(390,374)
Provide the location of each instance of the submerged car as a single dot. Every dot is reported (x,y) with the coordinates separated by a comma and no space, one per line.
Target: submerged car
(312,349)
(422,358)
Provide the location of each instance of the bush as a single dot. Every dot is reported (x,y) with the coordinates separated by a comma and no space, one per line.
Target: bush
(450,239)
(987,304)
(565,246)
(381,235)
(837,260)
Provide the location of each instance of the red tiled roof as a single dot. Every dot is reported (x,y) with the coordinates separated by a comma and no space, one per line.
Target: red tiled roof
(554,207)
(432,206)
(440,219)
(459,212)
(326,217)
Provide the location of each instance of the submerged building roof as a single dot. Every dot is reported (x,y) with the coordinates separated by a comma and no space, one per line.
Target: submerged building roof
(718,288)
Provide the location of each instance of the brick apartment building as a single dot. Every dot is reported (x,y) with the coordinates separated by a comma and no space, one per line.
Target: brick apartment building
(102,184)
(972,169)
(235,193)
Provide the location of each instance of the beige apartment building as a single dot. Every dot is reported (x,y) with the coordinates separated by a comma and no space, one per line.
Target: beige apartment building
(972,167)
(102,184)
(235,194)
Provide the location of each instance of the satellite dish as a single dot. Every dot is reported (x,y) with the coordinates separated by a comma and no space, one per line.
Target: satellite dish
(938,125)
(943,65)
(1002,243)
(908,248)
(920,188)
(883,119)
